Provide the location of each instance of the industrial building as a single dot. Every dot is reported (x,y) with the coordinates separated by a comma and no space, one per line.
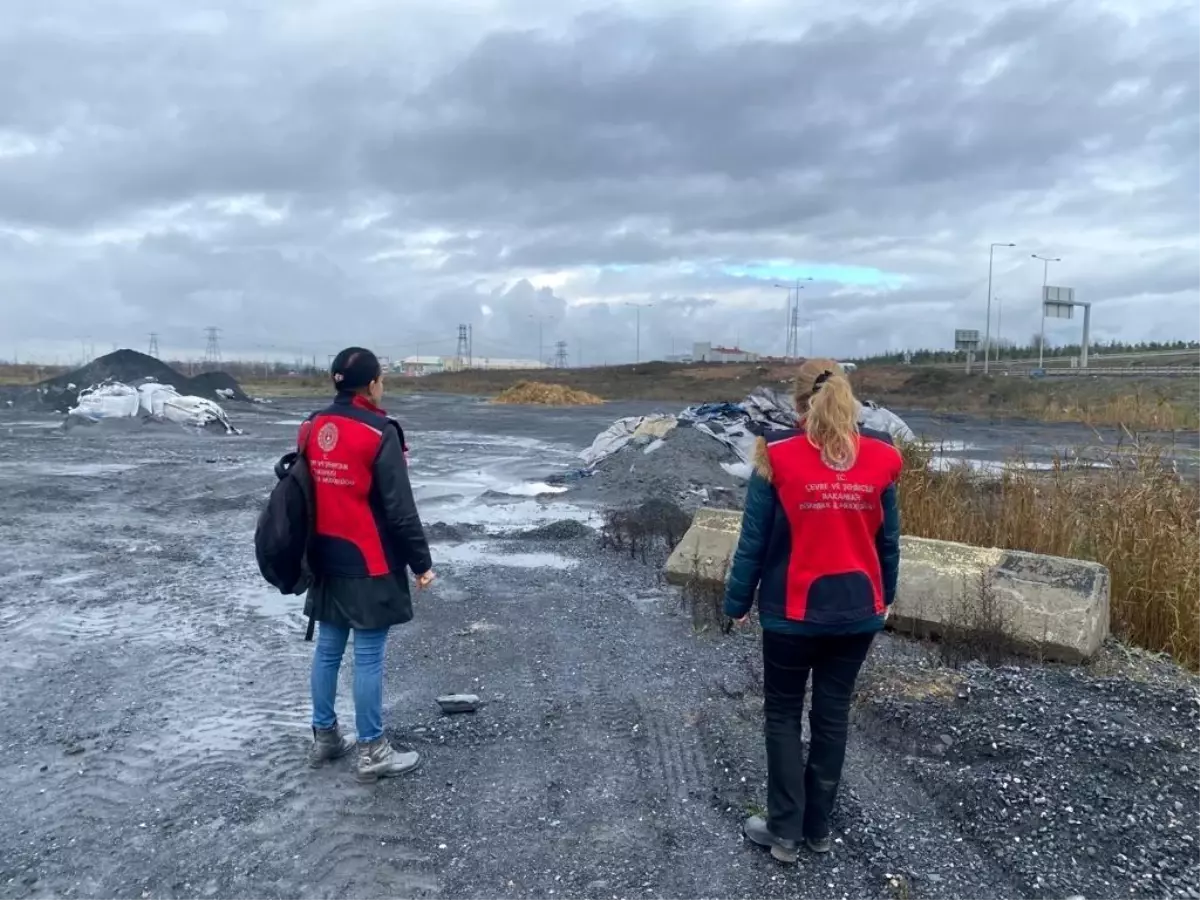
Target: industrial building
(420,365)
(492,362)
(706,352)
(416,366)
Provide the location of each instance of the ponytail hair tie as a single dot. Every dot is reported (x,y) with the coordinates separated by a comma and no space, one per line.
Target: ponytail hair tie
(821,379)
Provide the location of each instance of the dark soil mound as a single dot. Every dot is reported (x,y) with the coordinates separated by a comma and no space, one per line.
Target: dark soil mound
(218,386)
(684,468)
(566,530)
(444,533)
(62,391)
(120,365)
(131,367)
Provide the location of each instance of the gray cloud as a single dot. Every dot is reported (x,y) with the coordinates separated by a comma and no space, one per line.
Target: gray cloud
(316,173)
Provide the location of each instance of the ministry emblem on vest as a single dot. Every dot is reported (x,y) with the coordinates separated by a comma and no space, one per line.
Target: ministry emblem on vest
(327,437)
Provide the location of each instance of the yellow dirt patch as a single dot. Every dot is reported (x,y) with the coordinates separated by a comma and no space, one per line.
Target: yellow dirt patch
(930,684)
(537,394)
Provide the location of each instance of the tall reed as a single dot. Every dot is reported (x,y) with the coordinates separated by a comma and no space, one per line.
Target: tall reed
(1137,517)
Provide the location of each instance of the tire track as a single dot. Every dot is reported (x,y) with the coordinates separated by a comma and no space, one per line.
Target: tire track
(677,786)
(673,762)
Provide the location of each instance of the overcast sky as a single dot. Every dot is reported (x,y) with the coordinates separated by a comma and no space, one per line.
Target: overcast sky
(306,174)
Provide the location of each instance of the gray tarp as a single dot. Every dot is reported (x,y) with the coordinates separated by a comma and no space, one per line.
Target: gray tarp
(734,424)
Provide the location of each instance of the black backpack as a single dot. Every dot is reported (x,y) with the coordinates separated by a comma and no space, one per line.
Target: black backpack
(284,526)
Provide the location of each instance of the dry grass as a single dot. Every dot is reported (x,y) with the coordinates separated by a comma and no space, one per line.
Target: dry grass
(1138,518)
(1140,410)
(535,393)
(289,387)
(21,375)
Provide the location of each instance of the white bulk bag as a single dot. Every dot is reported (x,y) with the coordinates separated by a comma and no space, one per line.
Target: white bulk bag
(106,401)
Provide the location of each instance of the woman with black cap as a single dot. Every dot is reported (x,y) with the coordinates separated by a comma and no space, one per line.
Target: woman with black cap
(366,534)
(820,545)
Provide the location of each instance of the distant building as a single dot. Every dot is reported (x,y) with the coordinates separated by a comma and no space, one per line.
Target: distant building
(491,362)
(706,352)
(416,366)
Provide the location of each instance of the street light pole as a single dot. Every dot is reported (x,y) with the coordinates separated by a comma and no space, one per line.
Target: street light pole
(638,341)
(787,318)
(796,316)
(987,339)
(1046,260)
(999,325)
(541,345)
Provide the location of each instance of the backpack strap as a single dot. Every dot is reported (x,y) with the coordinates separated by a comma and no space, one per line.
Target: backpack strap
(399,433)
(301,446)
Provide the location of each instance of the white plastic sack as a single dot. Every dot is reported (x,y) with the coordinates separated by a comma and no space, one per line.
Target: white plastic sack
(196,412)
(113,400)
(152,397)
(106,401)
(880,419)
(161,401)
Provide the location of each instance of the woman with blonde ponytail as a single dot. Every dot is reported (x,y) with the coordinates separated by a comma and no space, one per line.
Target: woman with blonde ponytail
(820,545)
(831,422)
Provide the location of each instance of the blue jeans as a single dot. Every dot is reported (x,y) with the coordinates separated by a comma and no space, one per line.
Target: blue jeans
(368,678)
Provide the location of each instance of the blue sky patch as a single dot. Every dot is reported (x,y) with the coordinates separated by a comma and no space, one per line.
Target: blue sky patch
(785,271)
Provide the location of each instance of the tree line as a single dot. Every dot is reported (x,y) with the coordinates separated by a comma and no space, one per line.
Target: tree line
(1007,350)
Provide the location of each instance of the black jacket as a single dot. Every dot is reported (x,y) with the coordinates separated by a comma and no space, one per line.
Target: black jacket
(360,562)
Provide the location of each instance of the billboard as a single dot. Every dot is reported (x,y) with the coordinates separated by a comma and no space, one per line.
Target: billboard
(966,338)
(1058,302)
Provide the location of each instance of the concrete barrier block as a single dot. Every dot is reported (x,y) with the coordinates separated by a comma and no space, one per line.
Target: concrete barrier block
(1049,606)
(706,550)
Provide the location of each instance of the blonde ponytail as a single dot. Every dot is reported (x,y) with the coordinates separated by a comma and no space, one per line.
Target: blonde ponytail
(831,422)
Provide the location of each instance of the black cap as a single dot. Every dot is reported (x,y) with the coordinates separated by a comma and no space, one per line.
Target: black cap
(354,368)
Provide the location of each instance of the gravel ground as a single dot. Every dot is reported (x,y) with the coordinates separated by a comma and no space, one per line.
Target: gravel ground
(154,696)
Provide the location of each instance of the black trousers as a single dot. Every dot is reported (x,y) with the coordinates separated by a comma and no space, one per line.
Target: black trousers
(799,796)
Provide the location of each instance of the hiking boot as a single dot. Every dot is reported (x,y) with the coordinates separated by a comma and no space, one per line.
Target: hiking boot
(756,830)
(819,845)
(328,744)
(379,759)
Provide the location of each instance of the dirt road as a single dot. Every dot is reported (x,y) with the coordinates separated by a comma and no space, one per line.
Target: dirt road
(154,700)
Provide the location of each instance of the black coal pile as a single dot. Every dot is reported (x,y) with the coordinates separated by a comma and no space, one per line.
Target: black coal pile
(217,386)
(129,367)
(564,530)
(686,467)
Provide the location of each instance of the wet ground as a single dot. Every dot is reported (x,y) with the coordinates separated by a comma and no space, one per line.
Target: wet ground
(155,706)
